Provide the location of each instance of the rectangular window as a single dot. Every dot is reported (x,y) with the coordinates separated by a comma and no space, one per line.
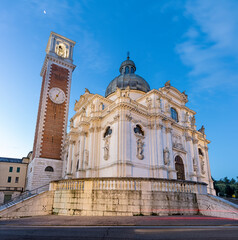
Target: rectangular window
(18,169)
(10,169)
(17,180)
(9,179)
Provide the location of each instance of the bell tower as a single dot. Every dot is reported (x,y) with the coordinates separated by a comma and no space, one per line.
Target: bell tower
(51,126)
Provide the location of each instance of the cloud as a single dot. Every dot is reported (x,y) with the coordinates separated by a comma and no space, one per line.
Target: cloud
(209,46)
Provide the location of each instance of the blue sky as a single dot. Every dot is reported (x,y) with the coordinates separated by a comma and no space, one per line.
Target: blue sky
(192,43)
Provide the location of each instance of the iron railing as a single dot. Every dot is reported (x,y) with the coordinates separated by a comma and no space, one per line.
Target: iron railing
(25,195)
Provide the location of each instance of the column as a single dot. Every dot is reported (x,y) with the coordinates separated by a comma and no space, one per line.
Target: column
(70,156)
(195,150)
(211,189)
(191,158)
(90,152)
(163,170)
(127,142)
(171,171)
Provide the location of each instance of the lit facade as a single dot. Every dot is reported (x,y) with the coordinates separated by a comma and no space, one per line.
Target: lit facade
(136,132)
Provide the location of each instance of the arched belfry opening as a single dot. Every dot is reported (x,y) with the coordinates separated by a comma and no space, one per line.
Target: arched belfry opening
(179,167)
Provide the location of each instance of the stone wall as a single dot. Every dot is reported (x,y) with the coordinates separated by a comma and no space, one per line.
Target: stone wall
(214,206)
(123,203)
(41,204)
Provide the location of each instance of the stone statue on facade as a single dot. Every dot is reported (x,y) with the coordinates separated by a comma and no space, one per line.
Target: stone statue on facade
(86,157)
(167,84)
(194,165)
(202,130)
(202,166)
(106,149)
(140,150)
(86,90)
(193,121)
(166,156)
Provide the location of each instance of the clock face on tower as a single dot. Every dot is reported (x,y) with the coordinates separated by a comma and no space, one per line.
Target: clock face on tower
(57,95)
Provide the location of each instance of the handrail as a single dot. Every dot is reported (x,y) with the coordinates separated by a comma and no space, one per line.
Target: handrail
(25,195)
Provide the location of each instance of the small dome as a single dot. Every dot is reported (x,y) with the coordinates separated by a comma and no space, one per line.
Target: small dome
(127,78)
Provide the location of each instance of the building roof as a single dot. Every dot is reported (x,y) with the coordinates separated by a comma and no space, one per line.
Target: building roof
(127,78)
(11,160)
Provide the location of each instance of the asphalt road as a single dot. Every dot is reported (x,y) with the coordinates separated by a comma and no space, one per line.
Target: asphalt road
(137,227)
(120,232)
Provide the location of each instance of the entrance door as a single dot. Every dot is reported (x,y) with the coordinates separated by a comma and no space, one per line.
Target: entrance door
(7,197)
(179,167)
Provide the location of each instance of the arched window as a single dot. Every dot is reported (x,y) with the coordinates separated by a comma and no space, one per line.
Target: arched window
(174,114)
(200,152)
(179,167)
(126,70)
(107,132)
(132,70)
(138,130)
(49,169)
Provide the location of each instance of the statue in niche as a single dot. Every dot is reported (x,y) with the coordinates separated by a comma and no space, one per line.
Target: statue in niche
(194,165)
(106,149)
(140,150)
(86,157)
(202,166)
(149,102)
(166,156)
(202,130)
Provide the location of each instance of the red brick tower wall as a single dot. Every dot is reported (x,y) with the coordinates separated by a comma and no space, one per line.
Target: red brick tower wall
(53,130)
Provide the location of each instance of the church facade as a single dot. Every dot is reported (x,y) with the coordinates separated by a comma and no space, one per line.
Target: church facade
(136,132)
(132,131)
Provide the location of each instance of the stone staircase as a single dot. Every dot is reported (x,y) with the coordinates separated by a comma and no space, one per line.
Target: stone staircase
(24,196)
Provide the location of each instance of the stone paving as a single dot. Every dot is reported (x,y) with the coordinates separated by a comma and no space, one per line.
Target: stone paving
(54,220)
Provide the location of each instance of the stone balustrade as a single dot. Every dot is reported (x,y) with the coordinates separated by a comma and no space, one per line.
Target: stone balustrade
(144,184)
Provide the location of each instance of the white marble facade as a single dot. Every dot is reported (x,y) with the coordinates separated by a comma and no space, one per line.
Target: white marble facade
(132,133)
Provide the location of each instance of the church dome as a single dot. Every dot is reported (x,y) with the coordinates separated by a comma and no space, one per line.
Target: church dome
(127,78)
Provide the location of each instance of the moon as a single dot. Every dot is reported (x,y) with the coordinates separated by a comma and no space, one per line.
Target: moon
(44,12)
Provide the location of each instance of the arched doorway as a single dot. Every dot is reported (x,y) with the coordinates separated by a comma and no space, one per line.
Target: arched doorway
(179,167)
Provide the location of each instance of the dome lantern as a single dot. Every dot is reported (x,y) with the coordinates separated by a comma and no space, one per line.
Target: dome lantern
(127,78)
